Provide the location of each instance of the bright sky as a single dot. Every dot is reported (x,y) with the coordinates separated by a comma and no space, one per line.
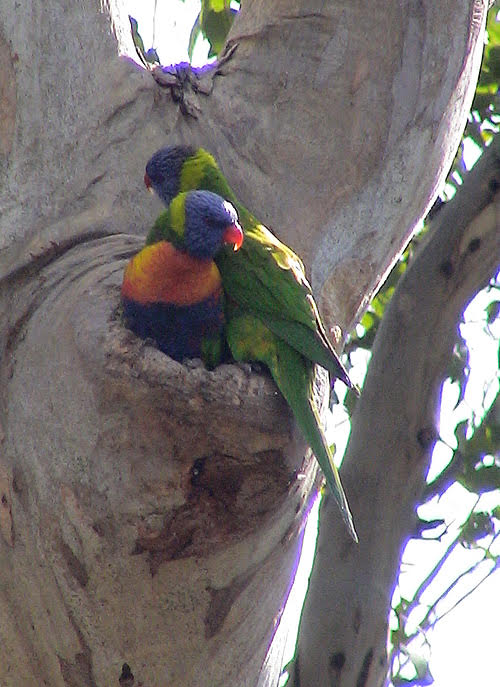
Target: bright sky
(465,643)
(473,625)
(171,27)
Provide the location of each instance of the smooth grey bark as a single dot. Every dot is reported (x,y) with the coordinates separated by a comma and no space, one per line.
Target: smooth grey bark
(343,636)
(152,512)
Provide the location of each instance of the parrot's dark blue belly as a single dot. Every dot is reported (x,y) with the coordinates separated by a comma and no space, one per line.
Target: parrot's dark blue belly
(178,330)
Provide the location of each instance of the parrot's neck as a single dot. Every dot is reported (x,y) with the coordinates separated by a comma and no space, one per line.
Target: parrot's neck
(200,171)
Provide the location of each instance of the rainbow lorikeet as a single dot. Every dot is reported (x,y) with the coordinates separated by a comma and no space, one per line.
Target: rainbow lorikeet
(172,290)
(271,313)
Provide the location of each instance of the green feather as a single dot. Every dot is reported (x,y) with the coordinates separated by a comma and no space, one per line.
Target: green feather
(249,339)
(169,225)
(265,276)
(212,350)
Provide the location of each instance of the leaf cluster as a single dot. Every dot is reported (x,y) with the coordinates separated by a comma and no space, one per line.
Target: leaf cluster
(475,466)
(484,117)
(213,23)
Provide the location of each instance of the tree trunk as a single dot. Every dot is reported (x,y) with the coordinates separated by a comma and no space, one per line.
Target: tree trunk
(152,512)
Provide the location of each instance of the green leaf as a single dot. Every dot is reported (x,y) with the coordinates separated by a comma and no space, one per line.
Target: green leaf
(146,56)
(193,36)
(369,320)
(217,5)
(350,401)
(492,311)
(460,434)
(485,439)
(482,480)
(423,676)
(136,37)
(487,136)
(477,526)
(458,367)
(426,525)
(493,27)
(215,26)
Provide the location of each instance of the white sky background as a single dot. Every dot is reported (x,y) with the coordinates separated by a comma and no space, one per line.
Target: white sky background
(465,644)
(172,27)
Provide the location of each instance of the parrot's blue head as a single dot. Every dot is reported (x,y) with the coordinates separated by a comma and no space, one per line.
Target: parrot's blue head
(210,222)
(163,171)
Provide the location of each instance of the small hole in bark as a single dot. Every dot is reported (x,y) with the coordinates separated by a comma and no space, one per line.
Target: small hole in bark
(426,437)
(98,528)
(446,268)
(474,245)
(197,471)
(126,678)
(337,661)
(493,185)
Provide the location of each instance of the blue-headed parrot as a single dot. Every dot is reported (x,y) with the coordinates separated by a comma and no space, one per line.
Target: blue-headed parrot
(172,290)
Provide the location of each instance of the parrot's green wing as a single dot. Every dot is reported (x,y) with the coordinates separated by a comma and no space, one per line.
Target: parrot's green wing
(249,339)
(266,278)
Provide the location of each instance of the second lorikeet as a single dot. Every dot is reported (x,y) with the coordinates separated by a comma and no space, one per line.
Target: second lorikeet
(271,313)
(172,290)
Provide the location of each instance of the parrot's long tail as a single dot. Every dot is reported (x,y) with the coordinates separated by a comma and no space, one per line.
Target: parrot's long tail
(294,377)
(314,347)
(249,339)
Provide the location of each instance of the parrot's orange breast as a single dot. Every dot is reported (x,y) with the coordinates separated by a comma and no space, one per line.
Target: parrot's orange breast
(162,274)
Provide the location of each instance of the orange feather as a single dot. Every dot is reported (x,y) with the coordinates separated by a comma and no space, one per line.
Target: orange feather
(162,274)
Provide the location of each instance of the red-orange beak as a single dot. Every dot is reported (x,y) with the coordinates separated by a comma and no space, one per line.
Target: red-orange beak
(148,183)
(234,235)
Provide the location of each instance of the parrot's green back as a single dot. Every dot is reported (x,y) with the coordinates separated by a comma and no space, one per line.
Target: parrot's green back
(265,276)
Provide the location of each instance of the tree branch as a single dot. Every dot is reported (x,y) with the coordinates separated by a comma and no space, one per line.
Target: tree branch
(393,433)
